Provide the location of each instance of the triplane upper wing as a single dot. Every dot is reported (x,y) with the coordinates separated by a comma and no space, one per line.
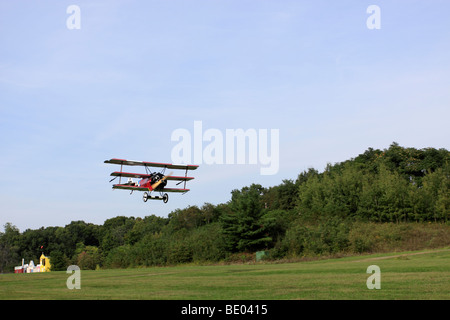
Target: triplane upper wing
(150,181)
(151,164)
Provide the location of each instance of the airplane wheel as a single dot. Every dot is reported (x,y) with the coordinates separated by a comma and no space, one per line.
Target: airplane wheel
(165,197)
(145,197)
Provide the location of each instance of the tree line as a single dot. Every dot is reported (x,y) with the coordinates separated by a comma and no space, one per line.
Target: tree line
(315,214)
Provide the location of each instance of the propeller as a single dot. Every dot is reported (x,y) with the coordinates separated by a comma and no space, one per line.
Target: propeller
(156,184)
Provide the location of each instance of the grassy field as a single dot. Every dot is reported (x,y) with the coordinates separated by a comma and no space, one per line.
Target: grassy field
(408,275)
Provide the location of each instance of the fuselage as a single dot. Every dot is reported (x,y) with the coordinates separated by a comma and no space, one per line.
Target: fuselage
(145,183)
(148,182)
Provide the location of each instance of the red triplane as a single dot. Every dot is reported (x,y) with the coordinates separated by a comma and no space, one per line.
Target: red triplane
(150,181)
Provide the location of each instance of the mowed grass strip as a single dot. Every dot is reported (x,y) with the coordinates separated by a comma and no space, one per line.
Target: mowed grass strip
(411,275)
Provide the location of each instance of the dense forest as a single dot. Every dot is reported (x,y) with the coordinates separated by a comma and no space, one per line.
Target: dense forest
(376,201)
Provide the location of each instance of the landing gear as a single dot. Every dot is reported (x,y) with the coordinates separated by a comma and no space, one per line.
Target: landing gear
(147,196)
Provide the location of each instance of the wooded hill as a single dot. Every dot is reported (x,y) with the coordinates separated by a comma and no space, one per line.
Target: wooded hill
(382,200)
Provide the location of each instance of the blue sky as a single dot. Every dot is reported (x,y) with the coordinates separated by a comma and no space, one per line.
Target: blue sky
(138,70)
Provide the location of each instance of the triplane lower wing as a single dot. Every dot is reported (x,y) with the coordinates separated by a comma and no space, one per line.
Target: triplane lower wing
(150,181)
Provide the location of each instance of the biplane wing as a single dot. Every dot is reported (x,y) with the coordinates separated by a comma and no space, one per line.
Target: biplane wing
(175,178)
(144,175)
(151,164)
(129,187)
(136,188)
(175,190)
(130,175)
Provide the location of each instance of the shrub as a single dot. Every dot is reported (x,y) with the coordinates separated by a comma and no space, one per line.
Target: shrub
(118,257)
(207,243)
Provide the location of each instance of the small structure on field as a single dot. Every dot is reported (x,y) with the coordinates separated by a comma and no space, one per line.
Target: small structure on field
(43,266)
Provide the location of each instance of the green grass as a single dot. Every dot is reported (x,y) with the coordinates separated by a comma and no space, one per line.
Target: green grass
(412,275)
